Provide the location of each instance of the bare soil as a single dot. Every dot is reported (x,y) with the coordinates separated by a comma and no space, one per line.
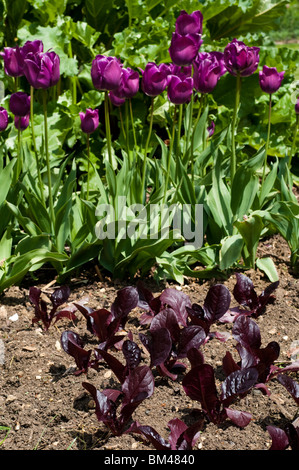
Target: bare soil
(44,406)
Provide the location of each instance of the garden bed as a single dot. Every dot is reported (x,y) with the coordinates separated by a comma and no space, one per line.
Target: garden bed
(44,405)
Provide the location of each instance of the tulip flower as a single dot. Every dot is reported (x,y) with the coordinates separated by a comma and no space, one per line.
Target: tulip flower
(182,72)
(208,68)
(32,46)
(154,79)
(241,59)
(89,120)
(189,24)
(211,129)
(21,122)
(42,69)
(297,106)
(115,99)
(106,73)
(180,89)
(19,104)
(13,61)
(129,85)
(183,49)
(3,119)
(270,80)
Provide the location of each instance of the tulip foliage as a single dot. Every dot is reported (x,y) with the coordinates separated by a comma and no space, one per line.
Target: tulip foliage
(175,108)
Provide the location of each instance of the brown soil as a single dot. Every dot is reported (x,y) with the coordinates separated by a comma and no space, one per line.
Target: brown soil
(45,406)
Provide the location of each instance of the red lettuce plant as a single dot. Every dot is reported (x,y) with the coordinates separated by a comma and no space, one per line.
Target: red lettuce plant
(167,341)
(248,337)
(73,345)
(132,355)
(199,384)
(181,437)
(246,295)
(57,298)
(216,304)
(283,439)
(137,386)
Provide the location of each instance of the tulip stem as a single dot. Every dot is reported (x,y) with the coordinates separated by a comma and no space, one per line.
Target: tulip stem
(88,167)
(268,139)
(294,141)
(132,120)
(107,124)
(170,154)
(41,188)
(146,148)
(233,163)
(51,206)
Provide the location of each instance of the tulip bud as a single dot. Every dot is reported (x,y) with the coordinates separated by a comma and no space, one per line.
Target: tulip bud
(13,61)
(19,104)
(106,73)
(180,89)
(297,106)
(183,49)
(211,129)
(189,24)
(42,69)
(3,119)
(241,59)
(154,79)
(89,120)
(270,80)
(21,122)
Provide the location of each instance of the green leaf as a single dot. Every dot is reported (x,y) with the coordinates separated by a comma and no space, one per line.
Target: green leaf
(230,251)
(267,265)
(28,261)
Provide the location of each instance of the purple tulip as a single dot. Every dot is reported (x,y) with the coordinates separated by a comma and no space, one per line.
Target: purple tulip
(13,61)
(297,106)
(180,89)
(211,129)
(21,122)
(208,68)
(3,119)
(183,49)
(19,104)
(241,59)
(115,99)
(189,24)
(106,73)
(154,79)
(89,120)
(128,87)
(129,83)
(42,69)
(32,46)
(270,79)
(182,72)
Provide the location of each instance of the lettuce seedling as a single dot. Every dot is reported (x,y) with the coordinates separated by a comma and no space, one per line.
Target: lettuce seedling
(137,386)
(105,324)
(73,345)
(246,295)
(57,298)
(181,437)
(199,384)
(215,306)
(132,355)
(283,439)
(168,341)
